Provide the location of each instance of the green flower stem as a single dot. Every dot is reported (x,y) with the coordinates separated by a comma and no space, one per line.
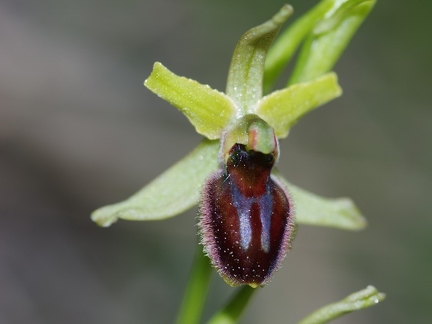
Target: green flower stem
(232,312)
(196,291)
(359,300)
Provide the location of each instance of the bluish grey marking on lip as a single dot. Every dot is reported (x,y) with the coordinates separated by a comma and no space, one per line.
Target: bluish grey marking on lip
(243,206)
(266,208)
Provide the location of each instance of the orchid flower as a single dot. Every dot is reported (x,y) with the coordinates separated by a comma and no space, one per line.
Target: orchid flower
(248,210)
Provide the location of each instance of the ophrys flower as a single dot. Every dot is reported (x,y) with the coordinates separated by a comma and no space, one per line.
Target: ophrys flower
(246,205)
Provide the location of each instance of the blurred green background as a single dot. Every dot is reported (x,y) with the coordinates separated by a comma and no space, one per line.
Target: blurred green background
(78,131)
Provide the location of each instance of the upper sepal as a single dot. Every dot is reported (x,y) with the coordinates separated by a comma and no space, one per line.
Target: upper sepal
(245,75)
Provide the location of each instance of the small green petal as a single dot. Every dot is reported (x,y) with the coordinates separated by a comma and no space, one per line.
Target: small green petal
(311,209)
(281,109)
(365,298)
(245,74)
(329,39)
(209,110)
(173,192)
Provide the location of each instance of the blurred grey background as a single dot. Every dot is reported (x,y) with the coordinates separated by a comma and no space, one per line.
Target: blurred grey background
(78,130)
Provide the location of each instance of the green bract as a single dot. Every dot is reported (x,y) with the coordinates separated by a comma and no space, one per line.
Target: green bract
(212,112)
(359,300)
(326,30)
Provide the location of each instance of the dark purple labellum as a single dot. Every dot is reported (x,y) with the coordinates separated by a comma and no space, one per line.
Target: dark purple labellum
(246,218)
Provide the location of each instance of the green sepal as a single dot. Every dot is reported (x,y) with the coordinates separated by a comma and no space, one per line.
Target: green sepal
(245,76)
(171,193)
(209,110)
(311,209)
(362,299)
(281,109)
(329,38)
